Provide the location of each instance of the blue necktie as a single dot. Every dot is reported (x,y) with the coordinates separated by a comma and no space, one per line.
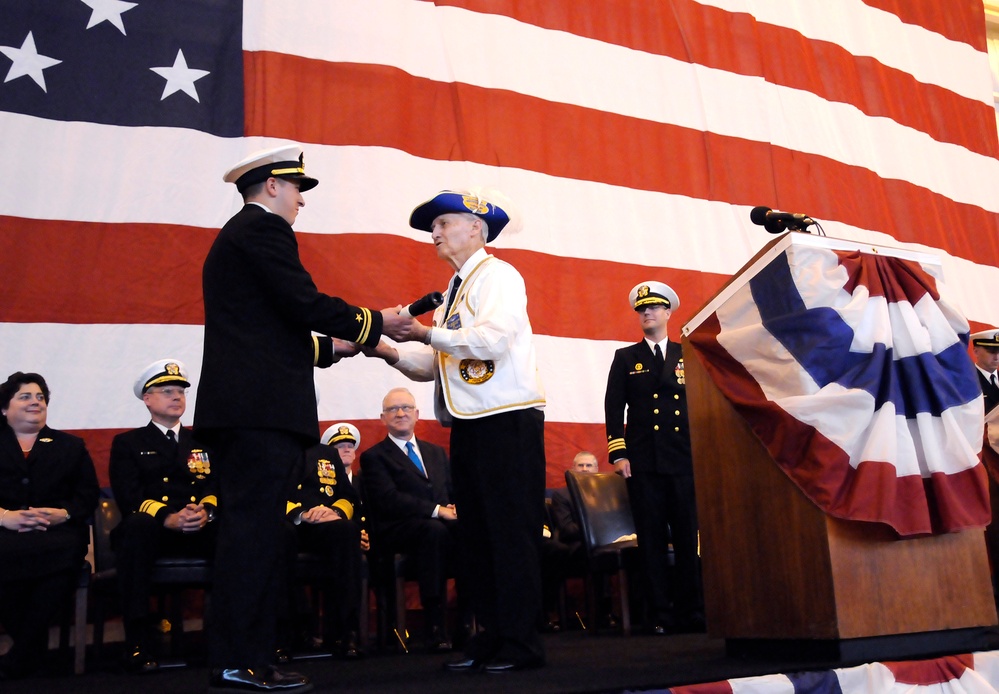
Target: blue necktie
(411,452)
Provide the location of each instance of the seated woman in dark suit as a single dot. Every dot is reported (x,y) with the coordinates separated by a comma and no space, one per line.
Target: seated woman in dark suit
(48,491)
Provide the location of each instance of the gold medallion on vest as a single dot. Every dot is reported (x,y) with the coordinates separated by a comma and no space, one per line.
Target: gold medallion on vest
(476,371)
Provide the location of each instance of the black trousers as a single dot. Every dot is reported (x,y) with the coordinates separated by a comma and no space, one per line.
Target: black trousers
(432,544)
(37,578)
(338,544)
(27,608)
(138,541)
(664,510)
(498,468)
(254,469)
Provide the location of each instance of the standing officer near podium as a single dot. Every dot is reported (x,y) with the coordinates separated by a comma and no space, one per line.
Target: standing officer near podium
(653,454)
(256,405)
(985,348)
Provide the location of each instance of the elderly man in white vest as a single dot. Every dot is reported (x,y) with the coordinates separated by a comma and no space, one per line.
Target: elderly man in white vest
(479,350)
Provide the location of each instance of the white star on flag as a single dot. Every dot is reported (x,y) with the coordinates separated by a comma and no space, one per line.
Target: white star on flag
(108,11)
(180,78)
(28,62)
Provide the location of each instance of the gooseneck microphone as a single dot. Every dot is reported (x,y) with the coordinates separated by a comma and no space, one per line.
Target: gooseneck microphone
(776,221)
(422,305)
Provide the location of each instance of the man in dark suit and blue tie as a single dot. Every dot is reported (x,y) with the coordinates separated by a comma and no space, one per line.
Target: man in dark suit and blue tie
(407,485)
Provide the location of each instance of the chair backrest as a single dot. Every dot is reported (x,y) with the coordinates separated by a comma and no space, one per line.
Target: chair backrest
(106,518)
(601,499)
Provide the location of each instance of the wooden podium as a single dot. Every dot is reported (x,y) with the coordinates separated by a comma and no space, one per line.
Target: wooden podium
(777,568)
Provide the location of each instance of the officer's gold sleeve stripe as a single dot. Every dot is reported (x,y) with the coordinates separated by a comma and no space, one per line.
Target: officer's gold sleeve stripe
(151,507)
(290,506)
(365,325)
(210,499)
(345,506)
(315,350)
(615,445)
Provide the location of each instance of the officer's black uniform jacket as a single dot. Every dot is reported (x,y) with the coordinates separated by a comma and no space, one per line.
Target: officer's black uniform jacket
(657,436)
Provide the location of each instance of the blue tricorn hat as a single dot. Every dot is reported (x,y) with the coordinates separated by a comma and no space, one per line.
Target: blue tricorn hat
(448,201)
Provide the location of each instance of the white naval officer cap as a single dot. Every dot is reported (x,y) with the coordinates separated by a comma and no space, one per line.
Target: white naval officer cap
(340,432)
(649,293)
(286,161)
(160,373)
(986,338)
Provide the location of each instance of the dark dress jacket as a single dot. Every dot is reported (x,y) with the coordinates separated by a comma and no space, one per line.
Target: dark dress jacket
(395,491)
(564,518)
(657,437)
(58,473)
(990,391)
(324,482)
(261,308)
(145,478)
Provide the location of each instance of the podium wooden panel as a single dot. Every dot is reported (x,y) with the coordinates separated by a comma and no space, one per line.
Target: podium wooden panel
(776,566)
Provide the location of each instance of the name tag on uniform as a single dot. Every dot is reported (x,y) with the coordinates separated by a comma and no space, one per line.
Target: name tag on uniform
(453,323)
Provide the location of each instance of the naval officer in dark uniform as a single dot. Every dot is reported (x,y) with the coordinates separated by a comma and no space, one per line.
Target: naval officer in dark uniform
(162,483)
(652,452)
(324,512)
(256,403)
(985,349)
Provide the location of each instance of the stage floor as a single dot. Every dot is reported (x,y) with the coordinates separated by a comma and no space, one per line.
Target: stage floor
(577,662)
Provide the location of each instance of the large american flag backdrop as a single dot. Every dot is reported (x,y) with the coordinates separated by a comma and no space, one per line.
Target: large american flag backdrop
(633,136)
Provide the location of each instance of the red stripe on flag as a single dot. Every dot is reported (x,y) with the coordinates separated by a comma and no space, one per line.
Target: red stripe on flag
(689,31)
(929,672)
(958,20)
(475,124)
(722,687)
(151,274)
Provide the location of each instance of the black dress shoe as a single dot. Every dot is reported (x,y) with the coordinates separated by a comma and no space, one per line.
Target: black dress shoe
(500,666)
(464,665)
(138,662)
(348,648)
(254,680)
(438,642)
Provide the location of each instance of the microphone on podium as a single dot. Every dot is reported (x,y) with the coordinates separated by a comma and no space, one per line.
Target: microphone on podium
(776,221)
(422,305)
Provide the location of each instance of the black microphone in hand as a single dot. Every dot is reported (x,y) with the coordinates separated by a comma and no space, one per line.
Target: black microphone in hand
(422,305)
(776,221)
